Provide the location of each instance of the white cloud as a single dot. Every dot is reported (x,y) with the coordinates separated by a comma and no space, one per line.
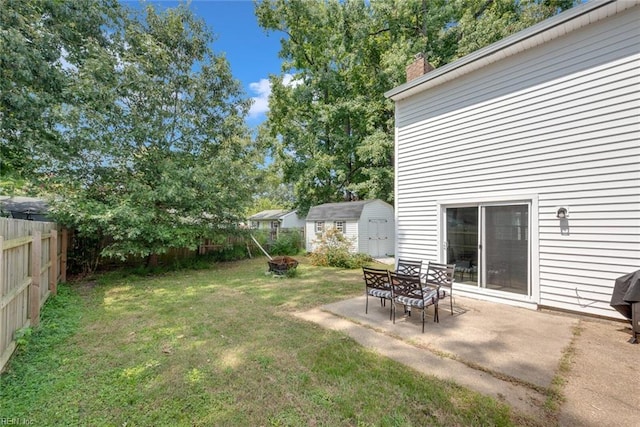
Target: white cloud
(287,80)
(260,102)
(262,90)
(64,63)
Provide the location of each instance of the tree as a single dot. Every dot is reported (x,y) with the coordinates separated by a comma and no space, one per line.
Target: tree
(155,145)
(482,22)
(329,137)
(269,191)
(330,127)
(39,41)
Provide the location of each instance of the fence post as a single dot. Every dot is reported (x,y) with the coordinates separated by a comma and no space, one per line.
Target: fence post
(34,288)
(63,255)
(53,258)
(1,275)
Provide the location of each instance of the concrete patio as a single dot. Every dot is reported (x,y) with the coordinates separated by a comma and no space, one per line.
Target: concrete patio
(510,353)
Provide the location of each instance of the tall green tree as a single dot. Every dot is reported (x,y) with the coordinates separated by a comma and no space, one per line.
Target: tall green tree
(153,148)
(40,41)
(329,136)
(329,124)
(270,191)
(482,22)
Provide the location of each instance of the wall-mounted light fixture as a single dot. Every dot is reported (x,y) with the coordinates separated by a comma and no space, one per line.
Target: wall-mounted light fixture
(562,213)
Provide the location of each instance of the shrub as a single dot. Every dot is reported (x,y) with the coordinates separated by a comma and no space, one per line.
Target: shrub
(288,243)
(231,252)
(333,250)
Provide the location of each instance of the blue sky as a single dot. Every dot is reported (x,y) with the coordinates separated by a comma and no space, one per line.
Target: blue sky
(251,52)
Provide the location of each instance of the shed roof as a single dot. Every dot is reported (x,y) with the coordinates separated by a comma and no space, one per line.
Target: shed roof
(22,207)
(23,204)
(270,215)
(338,211)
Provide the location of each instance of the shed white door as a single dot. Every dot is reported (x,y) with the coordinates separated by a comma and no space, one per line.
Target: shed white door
(378,234)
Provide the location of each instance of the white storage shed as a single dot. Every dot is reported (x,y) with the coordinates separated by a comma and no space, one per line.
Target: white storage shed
(368,223)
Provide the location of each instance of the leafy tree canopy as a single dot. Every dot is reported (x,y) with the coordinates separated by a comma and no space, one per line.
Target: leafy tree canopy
(269,191)
(148,147)
(330,127)
(38,41)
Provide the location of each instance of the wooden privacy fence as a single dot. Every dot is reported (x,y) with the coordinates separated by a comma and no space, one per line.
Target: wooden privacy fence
(32,263)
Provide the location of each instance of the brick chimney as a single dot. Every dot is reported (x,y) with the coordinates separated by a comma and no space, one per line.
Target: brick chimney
(419,67)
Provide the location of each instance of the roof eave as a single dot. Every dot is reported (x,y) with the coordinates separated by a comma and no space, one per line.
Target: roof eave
(288,213)
(332,219)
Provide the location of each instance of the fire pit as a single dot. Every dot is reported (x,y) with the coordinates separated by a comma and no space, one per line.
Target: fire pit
(280,265)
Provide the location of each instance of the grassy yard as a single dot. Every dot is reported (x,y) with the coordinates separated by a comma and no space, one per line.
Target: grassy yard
(219,347)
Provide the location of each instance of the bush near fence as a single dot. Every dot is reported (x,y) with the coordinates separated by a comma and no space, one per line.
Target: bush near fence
(282,241)
(84,254)
(32,263)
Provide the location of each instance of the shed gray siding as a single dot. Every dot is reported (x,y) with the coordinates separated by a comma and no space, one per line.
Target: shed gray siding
(292,220)
(556,125)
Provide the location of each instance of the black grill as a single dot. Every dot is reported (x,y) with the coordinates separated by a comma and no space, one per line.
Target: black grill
(635,321)
(626,299)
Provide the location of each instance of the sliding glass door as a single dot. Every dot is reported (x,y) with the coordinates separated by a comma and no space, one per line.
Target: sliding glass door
(505,248)
(489,243)
(462,242)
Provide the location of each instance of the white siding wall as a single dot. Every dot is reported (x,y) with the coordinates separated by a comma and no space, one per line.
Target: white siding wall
(264,225)
(292,221)
(310,235)
(350,231)
(557,124)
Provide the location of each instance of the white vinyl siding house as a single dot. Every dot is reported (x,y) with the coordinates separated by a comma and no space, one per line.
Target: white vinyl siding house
(369,224)
(275,220)
(489,147)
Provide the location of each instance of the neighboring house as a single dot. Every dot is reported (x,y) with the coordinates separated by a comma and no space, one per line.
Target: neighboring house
(521,162)
(275,220)
(368,223)
(27,208)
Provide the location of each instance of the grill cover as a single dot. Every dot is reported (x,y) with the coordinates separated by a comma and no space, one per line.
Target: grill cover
(625,292)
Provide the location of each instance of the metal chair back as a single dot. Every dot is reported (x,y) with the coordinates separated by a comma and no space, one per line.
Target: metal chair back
(409,291)
(377,284)
(409,267)
(440,277)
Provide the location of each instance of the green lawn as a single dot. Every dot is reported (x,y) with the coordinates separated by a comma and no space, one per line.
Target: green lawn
(219,347)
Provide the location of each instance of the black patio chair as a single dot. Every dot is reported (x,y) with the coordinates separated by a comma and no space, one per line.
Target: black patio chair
(377,285)
(409,267)
(408,290)
(439,277)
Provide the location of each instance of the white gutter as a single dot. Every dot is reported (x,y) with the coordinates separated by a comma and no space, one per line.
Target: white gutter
(540,33)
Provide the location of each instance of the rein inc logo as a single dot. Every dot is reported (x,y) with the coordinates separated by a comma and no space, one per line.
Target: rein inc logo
(16,422)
